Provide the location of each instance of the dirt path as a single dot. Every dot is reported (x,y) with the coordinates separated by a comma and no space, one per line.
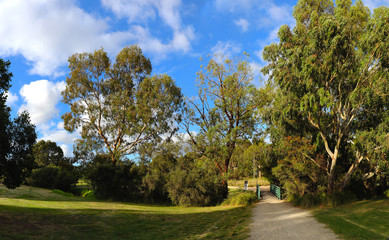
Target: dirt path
(275,219)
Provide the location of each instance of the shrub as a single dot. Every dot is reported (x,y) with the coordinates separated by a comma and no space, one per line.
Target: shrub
(387,193)
(156,179)
(118,182)
(53,178)
(307,200)
(338,198)
(240,198)
(194,183)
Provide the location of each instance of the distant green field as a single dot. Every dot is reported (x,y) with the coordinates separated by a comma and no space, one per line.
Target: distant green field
(252,182)
(33,213)
(360,220)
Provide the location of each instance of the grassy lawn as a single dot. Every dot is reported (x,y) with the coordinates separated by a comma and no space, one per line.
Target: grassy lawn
(360,220)
(252,182)
(33,213)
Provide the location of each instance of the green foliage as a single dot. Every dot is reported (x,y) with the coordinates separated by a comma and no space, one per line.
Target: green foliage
(240,198)
(300,171)
(16,137)
(194,183)
(46,153)
(57,191)
(118,182)
(124,105)
(330,78)
(89,194)
(387,193)
(19,160)
(157,177)
(224,110)
(53,178)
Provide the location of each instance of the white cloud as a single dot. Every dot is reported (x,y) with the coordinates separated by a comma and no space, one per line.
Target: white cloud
(47,32)
(60,136)
(40,100)
(57,133)
(243,24)
(280,13)
(141,12)
(67,151)
(262,14)
(371,4)
(225,49)
(149,43)
(11,98)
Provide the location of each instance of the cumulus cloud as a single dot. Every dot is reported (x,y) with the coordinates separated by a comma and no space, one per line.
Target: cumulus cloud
(149,43)
(47,32)
(40,100)
(141,12)
(67,151)
(57,133)
(11,98)
(243,24)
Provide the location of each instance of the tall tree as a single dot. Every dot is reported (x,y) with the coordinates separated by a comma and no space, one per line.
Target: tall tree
(331,71)
(16,137)
(5,79)
(19,160)
(224,110)
(118,106)
(46,153)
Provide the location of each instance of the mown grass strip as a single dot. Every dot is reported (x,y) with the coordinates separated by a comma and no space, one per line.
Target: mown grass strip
(361,220)
(76,218)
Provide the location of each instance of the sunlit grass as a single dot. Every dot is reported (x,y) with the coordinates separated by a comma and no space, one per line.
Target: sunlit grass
(360,220)
(33,213)
(252,182)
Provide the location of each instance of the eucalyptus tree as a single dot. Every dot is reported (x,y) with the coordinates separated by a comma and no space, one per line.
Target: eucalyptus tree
(224,110)
(331,72)
(118,106)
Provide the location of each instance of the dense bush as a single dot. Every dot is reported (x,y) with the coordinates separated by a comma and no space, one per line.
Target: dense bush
(194,183)
(296,172)
(53,178)
(118,182)
(157,177)
(240,198)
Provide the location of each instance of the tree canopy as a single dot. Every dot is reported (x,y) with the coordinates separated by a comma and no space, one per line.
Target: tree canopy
(117,106)
(224,110)
(332,81)
(17,137)
(46,153)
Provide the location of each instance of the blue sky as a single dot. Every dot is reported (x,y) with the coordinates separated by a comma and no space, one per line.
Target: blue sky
(38,37)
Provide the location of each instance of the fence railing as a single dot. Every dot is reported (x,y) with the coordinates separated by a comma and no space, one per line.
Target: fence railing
(276,190)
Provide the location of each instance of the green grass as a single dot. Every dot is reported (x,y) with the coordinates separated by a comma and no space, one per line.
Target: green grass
(360,220)
(239,197)
(33,213)
(252,182)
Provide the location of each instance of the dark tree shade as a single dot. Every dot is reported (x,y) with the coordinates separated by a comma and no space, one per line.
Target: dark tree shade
(16,137)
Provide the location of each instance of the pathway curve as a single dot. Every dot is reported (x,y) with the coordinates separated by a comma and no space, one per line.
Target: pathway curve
(276,219)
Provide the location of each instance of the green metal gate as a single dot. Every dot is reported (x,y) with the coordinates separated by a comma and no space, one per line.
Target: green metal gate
(276,190)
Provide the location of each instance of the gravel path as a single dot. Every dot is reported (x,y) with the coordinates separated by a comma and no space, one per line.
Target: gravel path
(276,219)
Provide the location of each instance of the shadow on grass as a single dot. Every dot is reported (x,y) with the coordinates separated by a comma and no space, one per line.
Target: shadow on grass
(360,220)
(40,223)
